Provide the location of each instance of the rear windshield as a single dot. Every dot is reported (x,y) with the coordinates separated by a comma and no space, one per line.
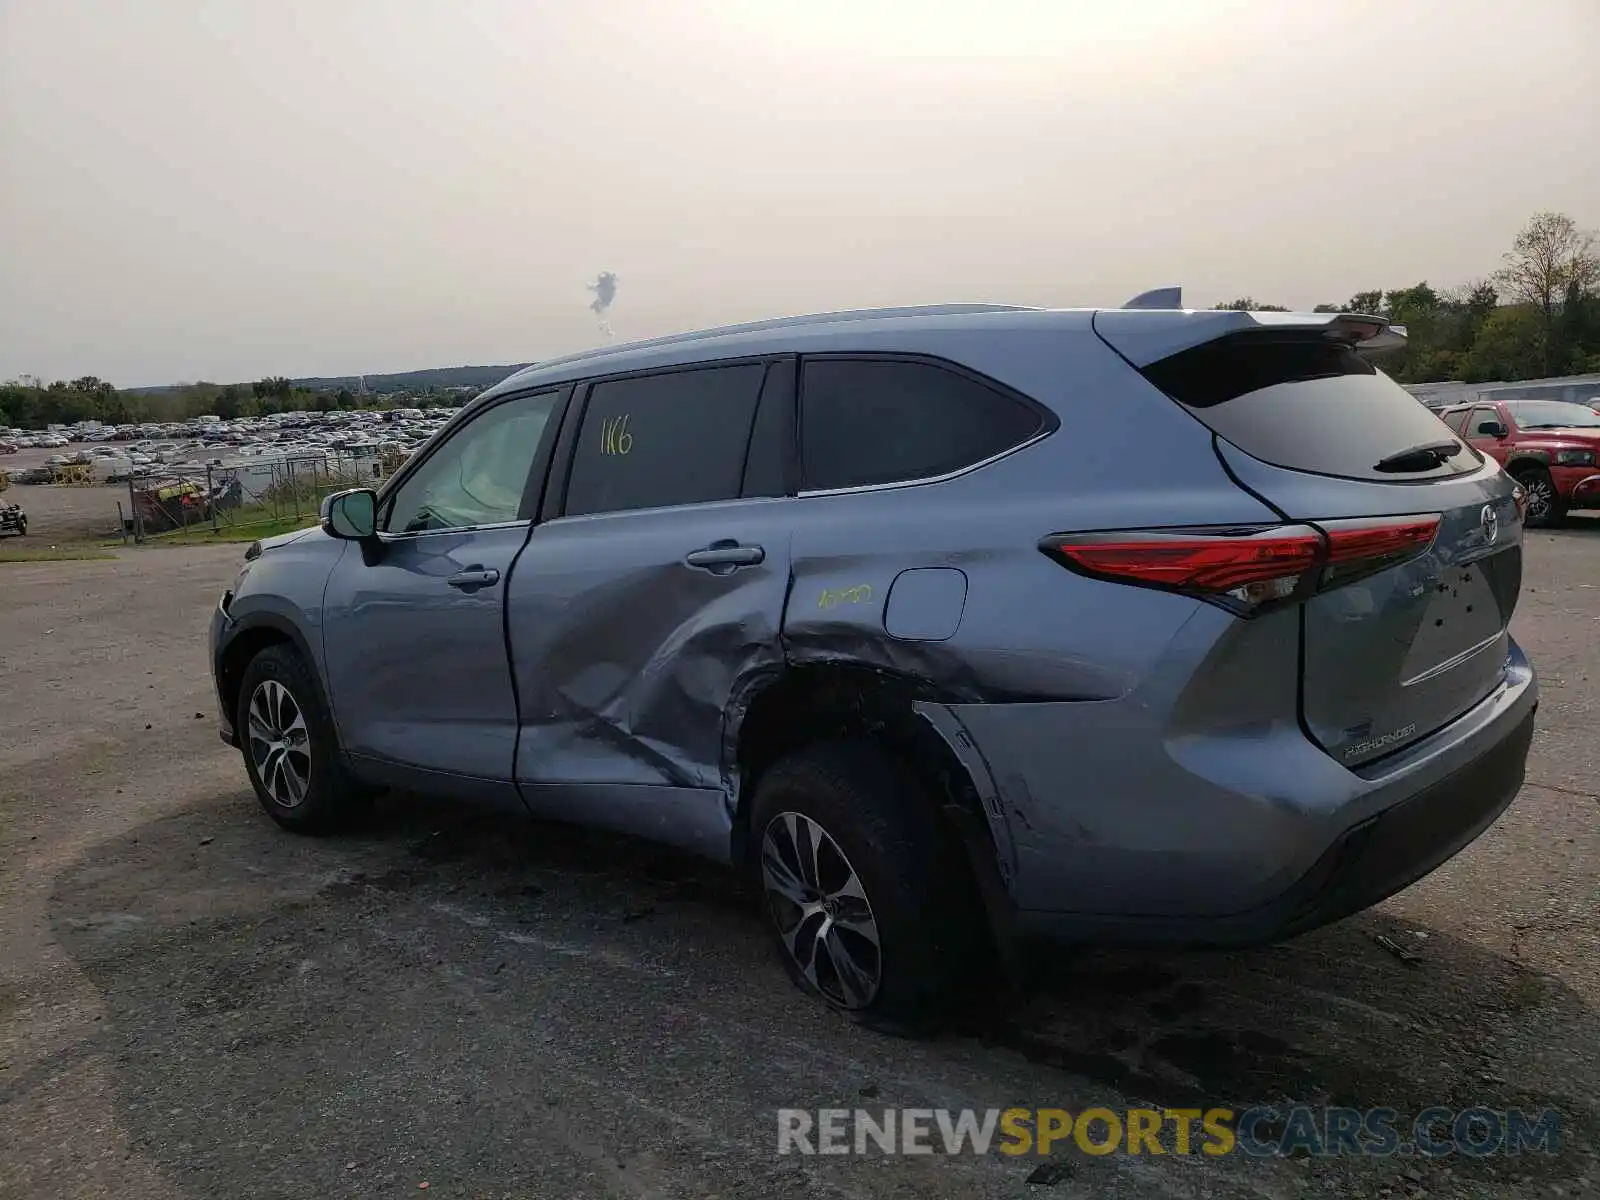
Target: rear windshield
(1309,404)
(1552,414)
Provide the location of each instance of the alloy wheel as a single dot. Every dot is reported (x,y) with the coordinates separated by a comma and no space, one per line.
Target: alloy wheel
(1541,495)
(821,910)
(280,744)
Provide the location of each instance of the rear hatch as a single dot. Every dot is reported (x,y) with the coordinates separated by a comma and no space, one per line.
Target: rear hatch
(1405,627)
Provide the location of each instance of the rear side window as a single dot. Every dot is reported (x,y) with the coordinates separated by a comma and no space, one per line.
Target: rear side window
(1305,403)
(658,440)
(874,421)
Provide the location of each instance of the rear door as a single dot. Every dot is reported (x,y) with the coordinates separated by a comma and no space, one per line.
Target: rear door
(653,596)
(1390,653)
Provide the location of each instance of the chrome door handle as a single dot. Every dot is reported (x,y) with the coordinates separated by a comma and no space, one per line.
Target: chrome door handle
(474,578)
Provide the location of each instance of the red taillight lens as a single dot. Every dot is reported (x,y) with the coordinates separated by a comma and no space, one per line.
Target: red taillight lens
(1353,541)
(1245,569)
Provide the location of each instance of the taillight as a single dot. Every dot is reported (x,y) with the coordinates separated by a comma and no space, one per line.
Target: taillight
(1245,569)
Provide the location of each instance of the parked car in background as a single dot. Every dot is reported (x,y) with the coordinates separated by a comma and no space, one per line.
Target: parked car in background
(1550,447)
(955,627)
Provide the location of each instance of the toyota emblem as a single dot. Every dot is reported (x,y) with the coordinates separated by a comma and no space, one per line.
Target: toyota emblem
(1490,521)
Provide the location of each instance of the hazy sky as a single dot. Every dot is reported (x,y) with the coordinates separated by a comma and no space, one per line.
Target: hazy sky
(224,190)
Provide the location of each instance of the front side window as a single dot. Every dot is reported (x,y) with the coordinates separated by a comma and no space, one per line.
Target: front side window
(654,441)
(878,421)
(1457,420)
(1485,422)
(479,474)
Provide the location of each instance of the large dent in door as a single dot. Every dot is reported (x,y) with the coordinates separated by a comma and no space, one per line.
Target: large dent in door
(636,693)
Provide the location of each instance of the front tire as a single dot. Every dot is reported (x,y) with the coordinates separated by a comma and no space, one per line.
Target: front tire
(865,886)
(1546,508)
(291,749)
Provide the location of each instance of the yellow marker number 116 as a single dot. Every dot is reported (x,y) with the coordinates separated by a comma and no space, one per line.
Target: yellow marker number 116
(614,435)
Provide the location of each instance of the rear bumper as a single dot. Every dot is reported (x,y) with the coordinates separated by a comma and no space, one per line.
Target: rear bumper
(1114,843)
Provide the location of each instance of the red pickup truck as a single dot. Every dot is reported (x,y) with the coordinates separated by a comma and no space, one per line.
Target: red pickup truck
(1550,447)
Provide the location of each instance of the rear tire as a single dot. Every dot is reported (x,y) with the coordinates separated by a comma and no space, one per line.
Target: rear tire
(291,748)
(865,886)
(1546,508)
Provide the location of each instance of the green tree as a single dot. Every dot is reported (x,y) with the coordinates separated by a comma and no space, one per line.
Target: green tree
(1551,259)
(1507,346)
(1366,303)
(1248,304)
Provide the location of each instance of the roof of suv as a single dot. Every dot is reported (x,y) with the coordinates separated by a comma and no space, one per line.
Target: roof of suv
(1143,334)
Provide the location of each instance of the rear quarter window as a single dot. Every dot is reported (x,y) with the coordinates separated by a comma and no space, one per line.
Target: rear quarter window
(870,421)
(1306,403)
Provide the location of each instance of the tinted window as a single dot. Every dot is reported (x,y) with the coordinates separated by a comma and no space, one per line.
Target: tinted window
(1305,403)
(1552,414)
(657,440)
(477,476)
(1457,420)
(882,421)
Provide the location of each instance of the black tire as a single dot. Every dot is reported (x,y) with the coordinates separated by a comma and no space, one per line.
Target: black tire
(911,869)
(22,526)
(331,798)
(1552,509)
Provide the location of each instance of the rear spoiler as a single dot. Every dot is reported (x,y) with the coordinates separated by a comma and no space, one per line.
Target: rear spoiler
(1151,327)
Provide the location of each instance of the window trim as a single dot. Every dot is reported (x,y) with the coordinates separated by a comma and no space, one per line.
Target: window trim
(553,507)
(532,488)
(1048,424)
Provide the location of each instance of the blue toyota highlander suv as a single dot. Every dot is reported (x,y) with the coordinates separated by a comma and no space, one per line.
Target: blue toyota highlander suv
(955,626)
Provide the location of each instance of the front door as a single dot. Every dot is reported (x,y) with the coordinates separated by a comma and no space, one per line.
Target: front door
(652,599)
(415,624)
(1483,426)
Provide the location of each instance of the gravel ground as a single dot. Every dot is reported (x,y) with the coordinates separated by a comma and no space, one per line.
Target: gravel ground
(194,1004)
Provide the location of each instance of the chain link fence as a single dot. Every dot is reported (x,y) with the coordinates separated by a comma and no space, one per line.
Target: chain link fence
(271,495)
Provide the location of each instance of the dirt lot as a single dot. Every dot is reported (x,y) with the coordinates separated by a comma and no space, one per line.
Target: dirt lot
(193,1004)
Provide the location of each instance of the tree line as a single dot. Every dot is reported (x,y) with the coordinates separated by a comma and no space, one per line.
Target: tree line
(33,404)
(1538,315)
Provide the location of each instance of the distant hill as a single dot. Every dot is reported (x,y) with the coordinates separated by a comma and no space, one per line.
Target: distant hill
(400,381)
(411,381)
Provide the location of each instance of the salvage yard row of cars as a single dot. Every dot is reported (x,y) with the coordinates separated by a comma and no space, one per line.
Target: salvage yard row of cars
(954,627)
(186,448)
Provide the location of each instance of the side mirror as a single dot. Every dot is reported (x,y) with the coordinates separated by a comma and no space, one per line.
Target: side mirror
(1497,429)
(351,515)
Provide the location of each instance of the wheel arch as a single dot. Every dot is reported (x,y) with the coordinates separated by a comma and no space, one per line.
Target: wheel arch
(807,703)
(249,636)
(1527,461)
